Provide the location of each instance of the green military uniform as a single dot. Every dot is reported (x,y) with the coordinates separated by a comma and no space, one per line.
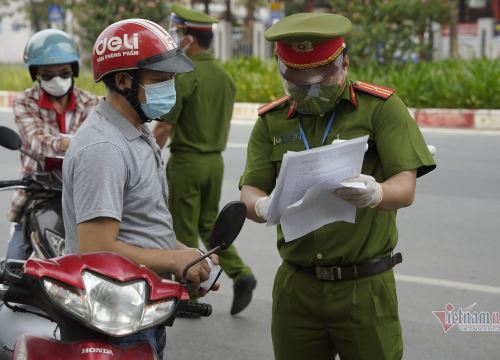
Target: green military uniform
(358,319)
(201,119)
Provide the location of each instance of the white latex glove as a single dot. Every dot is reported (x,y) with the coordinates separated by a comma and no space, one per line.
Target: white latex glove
(262,206)
(371,196)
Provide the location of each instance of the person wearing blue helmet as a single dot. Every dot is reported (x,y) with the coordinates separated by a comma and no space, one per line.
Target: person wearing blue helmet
(48,113)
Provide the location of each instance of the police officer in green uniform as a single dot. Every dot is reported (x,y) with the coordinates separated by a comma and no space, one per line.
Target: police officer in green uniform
(334,293)
(198,126)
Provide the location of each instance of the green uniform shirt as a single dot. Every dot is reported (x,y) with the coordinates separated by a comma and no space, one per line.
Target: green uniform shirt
(204,106)
(400,146)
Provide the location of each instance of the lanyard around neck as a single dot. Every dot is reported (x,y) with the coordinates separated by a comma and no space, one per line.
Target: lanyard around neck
(325,135)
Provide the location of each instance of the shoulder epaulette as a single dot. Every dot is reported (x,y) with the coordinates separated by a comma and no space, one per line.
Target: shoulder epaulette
(265,108)
(376,90)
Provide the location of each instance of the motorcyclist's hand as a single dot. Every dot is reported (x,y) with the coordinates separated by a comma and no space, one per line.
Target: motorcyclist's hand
(202,292)
(369,197)
(196,273)
(64,144)
(262,206)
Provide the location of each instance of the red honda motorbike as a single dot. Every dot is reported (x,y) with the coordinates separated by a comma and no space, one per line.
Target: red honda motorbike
(97,298)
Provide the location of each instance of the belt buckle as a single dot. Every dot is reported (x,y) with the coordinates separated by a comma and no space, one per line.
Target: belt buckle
(328,273)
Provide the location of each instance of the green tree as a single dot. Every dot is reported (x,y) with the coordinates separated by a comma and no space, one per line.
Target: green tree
(93,16)
(388,30)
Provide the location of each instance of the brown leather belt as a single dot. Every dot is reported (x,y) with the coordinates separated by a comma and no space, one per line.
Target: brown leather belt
(351,272)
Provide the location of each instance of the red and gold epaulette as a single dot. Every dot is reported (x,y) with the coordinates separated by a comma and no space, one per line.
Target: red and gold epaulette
(376,90)
(265,108)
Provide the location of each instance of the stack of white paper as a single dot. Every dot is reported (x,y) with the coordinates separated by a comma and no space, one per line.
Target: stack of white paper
(304,198)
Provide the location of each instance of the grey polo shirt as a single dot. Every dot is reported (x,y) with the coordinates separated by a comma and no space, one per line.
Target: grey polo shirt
(113,170)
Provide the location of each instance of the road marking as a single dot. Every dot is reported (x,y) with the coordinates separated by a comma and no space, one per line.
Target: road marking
(448,284)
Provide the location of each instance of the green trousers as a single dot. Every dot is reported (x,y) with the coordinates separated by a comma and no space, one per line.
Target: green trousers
(318,319)
(195,182)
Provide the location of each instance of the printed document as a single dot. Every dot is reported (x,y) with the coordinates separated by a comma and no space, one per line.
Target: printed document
(304,198)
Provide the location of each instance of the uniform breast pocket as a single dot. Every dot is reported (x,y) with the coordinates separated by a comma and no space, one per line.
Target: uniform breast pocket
(280,150)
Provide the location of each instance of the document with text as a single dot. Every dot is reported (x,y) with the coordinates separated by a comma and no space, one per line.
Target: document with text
(304,198)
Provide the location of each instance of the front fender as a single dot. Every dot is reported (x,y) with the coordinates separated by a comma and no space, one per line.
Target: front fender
(48,349)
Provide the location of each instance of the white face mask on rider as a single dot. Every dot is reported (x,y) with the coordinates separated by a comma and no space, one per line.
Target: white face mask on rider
(57,86)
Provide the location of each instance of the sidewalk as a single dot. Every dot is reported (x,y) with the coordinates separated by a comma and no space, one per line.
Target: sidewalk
(439,118)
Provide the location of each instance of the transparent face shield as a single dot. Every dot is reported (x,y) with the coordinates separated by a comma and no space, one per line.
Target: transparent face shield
(316,90)
(175,29)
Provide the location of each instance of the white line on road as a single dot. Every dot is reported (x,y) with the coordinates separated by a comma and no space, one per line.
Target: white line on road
(448,284)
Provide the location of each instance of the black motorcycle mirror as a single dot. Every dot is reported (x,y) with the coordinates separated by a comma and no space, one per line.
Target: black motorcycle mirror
(227,227)
(12,141)
(9,138)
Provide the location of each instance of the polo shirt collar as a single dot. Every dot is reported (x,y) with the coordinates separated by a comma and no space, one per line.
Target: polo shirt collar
(121,122)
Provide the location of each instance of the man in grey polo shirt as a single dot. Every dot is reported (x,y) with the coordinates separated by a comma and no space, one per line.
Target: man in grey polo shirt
(114,190)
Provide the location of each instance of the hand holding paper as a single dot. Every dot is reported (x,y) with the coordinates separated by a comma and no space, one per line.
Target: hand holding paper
(215,271)
(370,196)
(304,197)
(262,206)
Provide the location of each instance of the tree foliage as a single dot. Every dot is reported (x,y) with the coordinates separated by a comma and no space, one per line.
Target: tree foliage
(384,30)
(388,30)
(93,16)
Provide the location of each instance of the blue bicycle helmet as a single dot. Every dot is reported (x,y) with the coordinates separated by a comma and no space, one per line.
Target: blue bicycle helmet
(51,47)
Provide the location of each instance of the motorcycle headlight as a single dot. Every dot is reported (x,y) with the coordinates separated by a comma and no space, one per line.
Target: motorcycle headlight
(114,308)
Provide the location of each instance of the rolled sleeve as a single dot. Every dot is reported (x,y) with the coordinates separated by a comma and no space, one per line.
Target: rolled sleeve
(99,180)
(399,141)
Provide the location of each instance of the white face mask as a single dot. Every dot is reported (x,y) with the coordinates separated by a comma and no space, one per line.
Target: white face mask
(57,86)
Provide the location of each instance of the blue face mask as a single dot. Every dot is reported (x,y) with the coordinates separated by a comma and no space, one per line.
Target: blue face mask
(160,98)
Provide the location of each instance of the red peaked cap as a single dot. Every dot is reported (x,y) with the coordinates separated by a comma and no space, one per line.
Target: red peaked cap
(307,45)
(306,55)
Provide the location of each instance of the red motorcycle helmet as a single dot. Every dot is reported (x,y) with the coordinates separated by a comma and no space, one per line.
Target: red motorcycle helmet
(137,44)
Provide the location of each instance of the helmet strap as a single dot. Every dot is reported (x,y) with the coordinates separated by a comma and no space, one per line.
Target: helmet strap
(130,94)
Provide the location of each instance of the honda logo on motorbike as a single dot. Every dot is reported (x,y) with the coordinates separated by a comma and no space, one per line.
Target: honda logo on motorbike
(97,350)
(115,46)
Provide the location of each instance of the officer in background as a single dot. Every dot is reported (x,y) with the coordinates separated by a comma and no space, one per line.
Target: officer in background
(198,127)
(335,292)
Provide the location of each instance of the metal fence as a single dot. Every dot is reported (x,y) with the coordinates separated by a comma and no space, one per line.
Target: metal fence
(230,42)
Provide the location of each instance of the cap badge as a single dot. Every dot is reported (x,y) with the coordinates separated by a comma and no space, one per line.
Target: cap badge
(302,46)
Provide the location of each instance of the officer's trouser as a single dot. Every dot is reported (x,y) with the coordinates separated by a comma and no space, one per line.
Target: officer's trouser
(317,319)
(195,182)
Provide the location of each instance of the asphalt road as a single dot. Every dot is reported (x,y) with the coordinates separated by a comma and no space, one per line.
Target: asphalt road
(449,238)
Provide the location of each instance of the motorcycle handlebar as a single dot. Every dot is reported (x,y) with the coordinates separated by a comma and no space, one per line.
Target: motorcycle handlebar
(8,183)
(198,308)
